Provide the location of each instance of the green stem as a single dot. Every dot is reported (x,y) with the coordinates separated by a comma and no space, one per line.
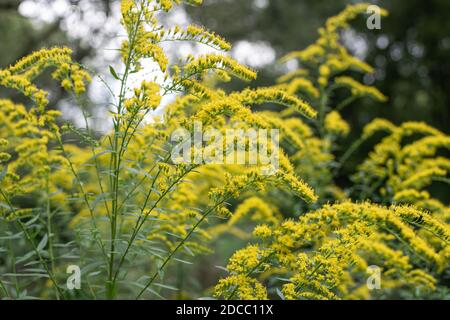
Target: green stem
(49,232)
(346,102)
(322,111)
(94,156)
(353,147)
(180,244)
(115,162)
(5,290)
(13,263)
(140,222)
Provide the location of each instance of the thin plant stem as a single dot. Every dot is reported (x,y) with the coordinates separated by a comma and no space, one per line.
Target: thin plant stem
(85,196)
(94,156)
(353,147)
(116,157)
(13,265)
(140,222)
(5,290)
(346,102)
(322,112)
(49,231)
(180,244)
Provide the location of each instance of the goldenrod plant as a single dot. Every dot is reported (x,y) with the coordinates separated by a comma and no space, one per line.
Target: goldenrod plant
(132,207)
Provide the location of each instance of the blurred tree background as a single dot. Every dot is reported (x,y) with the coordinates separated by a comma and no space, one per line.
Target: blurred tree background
(411,51)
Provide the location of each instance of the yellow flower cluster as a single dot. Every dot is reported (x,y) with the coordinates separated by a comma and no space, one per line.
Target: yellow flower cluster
(146,97)
(346,238)
(267,95)
(257,209)
(25,159)
(328,58)
(334,124)
(168,4)
(242,288)
(302,85)
(20,75)
(404,165)
(214,61)
(378,125)
(201,35)
(359,89)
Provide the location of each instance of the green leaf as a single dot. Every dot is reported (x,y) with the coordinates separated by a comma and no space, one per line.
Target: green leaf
(114,73)
(43,243)
(182,261)
(280,294)
(165,286)
(25,257)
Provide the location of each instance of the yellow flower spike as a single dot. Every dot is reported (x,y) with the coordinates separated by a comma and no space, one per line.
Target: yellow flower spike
(24,86)
(194,2)
(292,75)
(301,84)
(411,195)
(359,89)
(422,280)
(334,124)
(415,216)
(423,178)
(262,231)
(257,209)
(311,53)
(410,127)
(20,75)
(298,186)
(264,95)
(426,146)
(18,214)
(378,125)
(201,35)
(42,58)
(217,61)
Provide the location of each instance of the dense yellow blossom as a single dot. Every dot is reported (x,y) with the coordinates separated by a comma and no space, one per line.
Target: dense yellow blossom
(346,239)
(336,125)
